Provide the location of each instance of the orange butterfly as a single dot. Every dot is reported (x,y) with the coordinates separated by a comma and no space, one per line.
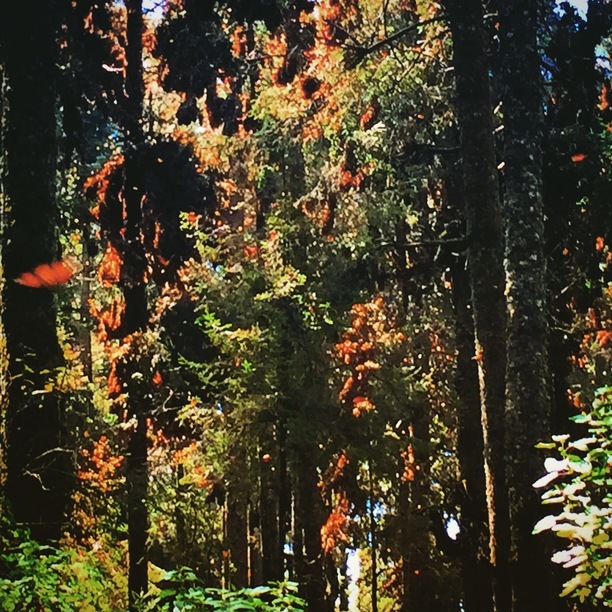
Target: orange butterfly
(47,275)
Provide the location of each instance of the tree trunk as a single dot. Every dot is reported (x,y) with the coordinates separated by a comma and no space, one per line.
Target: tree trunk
(137,476)
(528,407)
(373,541)
(255,561)
(136,308)
(309,563)
(269,508)
(284,495)
(476,571)
(418,579)
(182,542)
(275,496)
(567,227)
(485,266)
(4,359)
(237,539)
(39,469)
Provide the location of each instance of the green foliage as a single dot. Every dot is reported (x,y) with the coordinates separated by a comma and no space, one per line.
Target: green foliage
(182,590)
(39,577)
(581,483)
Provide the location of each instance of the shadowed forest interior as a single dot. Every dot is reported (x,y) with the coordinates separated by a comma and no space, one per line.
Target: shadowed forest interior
(305,305)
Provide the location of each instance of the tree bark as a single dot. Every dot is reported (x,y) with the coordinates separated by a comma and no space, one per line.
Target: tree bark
(373,540)
(237,539)
(419,594)
(136,308)
(137,477)
(4,358)
(309,562)
(528,406)
(269,504)
(284,495)
(476,571)
(485,265)
(255,561)
(39,468)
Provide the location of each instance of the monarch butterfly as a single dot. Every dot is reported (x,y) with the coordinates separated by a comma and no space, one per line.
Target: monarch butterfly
(47,275)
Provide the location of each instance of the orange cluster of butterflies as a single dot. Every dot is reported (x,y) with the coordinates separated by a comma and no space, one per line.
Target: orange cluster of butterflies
(47,275)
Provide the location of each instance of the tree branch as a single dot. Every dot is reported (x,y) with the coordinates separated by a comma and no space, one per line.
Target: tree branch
(362,51)
(462,241)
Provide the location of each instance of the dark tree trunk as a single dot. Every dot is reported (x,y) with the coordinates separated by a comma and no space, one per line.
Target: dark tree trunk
(179,518)
(4,359)
(373,541)
(567,226)
(85,294)
(420,594)
(298,541)
(137,476)
(237,538)
(237,519)
(237,527)
(528,394)
(485,266)
(255,560)
(309,562)
(476,571)
(39,469)
(275,504)
(135,318)
(269,509)
(136,308)
(284,494)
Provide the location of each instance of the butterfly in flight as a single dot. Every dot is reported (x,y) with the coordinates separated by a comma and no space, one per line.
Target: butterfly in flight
(49,275)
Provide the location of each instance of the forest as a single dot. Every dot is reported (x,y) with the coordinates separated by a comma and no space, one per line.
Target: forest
(306,305)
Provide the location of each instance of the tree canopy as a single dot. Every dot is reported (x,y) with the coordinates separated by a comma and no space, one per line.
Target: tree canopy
(305,305)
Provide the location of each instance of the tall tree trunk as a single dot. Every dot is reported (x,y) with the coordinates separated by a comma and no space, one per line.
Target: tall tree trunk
(373,541)
(275,504)
(237,538)
(85,294)
(418,581)
(476,571)
(237,529)
(4,359)
(485,265)
(182,542)
(255,561)
(39,469)
(309,562)
(135,318)
(528,407)
(284,495)
(136,308)
(137,476)
(566,223)
(269,506)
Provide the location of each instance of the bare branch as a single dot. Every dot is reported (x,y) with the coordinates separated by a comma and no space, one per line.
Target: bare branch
(362,51)
(461,241)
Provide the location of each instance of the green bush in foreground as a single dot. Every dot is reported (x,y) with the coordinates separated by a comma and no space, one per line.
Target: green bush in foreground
(181,590)
(37,577)
(580,482)
(42,578)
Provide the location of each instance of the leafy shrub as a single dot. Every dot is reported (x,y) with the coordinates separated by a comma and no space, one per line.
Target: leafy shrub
(581,483)
(182,590)
(38,577)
